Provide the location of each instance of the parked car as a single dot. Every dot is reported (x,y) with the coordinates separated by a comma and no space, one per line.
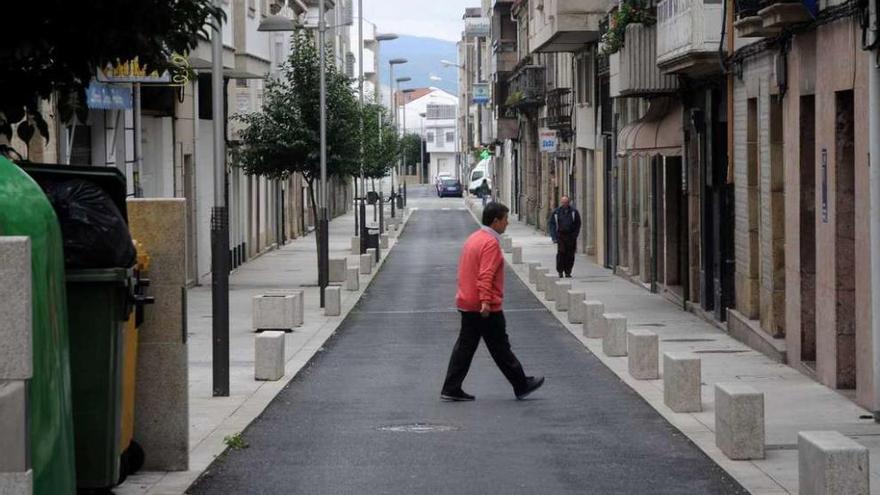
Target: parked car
(438,181)
(450,187)
(479,173)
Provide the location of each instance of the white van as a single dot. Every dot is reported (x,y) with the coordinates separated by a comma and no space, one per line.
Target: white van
(479,172)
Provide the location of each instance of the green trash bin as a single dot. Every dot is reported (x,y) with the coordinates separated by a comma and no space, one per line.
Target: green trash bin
(99,302)
(24,210)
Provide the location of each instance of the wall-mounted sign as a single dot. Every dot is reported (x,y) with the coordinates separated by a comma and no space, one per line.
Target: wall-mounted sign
(548,142)
(481,93)
(101,96)
(176,74)
(477,26)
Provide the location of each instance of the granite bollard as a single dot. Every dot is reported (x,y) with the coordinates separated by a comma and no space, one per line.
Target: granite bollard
(561,294)
(830,463)
(681,382)
(332,301)
(338,268)
(533,271)
(506,243)
(383,241)
(541,279)
(374,257)
(269,356)
(355,245)
(517,255)
(274,312)
(614,340)
(549,287)
(576,306)
(642,350)
(353,280)
(366,264)
(739,421)
(594,322)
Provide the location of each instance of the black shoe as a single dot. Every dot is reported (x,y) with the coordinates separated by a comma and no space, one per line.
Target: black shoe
(532,384)
(560,274)
(567,275)
(457,396)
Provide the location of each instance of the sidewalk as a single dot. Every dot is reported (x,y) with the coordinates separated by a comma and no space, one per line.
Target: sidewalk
(792,401)
(212,418)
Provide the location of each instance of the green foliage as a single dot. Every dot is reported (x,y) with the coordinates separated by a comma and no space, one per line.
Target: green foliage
(629,12)
(235,442)
(56,45)
(381,144)
(284,137)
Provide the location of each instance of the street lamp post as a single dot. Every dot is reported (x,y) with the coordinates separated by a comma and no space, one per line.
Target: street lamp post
(323,222)
(466,110)
(219,225)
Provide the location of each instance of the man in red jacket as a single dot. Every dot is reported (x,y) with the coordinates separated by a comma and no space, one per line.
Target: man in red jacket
(479,300)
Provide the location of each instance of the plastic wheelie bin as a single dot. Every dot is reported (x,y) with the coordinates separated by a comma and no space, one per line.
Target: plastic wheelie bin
(99,301)
(25,210)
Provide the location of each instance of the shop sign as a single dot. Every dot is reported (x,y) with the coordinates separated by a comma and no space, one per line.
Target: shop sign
(548,141)
(481,93)
(477,27)
(101,96)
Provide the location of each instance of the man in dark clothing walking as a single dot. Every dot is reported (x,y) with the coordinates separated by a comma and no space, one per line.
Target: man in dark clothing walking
(564,226)
(479,300)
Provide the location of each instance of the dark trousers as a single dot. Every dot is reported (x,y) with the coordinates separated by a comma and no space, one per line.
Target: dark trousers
(493,331)
(566,246)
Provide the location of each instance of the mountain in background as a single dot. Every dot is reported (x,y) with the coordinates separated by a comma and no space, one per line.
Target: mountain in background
(424,55)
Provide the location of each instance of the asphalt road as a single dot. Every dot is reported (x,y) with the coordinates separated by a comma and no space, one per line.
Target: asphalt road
(365,416)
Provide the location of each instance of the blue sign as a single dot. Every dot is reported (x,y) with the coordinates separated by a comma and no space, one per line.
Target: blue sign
(106,97)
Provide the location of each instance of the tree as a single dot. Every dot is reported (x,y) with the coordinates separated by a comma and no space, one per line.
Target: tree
(381,144)
(411,149)
(284,137)
(55,46)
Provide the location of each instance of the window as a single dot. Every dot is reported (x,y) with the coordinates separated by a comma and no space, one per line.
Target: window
(430,137)
(241,83)
(584,77)
(450,136)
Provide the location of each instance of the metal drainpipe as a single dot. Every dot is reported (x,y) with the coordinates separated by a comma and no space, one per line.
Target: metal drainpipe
(874,171)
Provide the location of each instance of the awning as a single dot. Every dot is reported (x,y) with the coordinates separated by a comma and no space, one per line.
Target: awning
(659,132)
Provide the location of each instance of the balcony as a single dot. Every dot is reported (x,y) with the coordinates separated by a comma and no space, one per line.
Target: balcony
(526,89)
(633,70)
(688,35)
(559,110)
(761,19)
(564,25)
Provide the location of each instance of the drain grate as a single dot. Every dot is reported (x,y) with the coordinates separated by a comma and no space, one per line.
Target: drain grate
(688,340)
(658,325)
(719,351)
(418,428)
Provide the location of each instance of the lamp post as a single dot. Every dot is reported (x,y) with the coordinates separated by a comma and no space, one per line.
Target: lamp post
(422,174)
(391,103)
(219,225)
(403,157)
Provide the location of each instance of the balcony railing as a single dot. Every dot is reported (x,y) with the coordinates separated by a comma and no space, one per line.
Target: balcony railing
(527,88)
(763,18)
(688,34)
(559,109)
(636,73)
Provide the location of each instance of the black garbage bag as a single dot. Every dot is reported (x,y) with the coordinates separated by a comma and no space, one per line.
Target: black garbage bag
(95,233)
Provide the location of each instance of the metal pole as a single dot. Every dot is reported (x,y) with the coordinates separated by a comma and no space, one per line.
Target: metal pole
(219,223)
(874,185)
(361,114)
(323,223)
(138,139)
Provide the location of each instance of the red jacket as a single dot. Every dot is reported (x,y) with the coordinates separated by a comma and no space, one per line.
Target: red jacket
(480,273)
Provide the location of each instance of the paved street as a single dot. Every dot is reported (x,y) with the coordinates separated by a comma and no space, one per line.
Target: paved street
(365,415)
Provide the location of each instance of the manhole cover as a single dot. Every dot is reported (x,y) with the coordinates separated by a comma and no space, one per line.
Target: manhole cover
(418,428)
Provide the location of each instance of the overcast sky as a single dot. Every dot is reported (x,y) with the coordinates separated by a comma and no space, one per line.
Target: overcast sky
(430,18)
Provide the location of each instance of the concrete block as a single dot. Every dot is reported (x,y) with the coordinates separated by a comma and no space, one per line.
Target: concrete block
(332,301)
(366,264)
(594,322)
(643,350)
(374,257)
(353,280)
(269,355)
(355,245)
(274,312)
(16,310)
(739,421)
(338,270)
(533,271)
(541,279)
(17,483)
(614,340)
(298,305)
(383,241)
(561,294)
(550,287)
(13,427)
(162,400)
(830,463)
(506,243)
(517,255)
(576,306)
(681,382)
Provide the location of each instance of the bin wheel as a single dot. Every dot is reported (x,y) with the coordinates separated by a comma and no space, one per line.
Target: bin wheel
(132,460)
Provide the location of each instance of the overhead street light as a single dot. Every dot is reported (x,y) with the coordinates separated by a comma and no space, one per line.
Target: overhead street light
(386,37)
(277,23)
